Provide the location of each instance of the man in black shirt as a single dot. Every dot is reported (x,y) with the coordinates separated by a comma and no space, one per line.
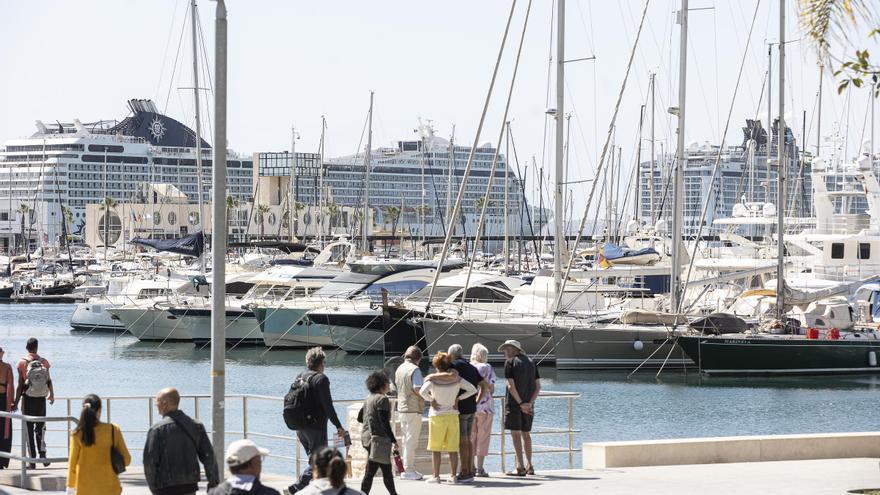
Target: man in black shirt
(314,436)
(523,387)
(466,410)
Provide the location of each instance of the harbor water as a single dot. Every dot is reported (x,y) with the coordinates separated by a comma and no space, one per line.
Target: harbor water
(610,406)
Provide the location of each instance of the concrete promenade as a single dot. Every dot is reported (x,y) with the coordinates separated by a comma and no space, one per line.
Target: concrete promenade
(830,476)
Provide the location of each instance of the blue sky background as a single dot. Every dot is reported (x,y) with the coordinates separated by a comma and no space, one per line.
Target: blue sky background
(294,61)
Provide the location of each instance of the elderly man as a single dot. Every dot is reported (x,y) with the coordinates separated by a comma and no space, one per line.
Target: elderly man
(410,406)
(245,462)
(523,388)
(175,446)
(467,408)
(314,436)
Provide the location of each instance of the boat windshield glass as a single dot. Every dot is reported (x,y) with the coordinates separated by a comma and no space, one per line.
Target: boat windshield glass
(440,294)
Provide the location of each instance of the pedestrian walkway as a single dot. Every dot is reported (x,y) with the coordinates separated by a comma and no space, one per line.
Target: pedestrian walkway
(832,476)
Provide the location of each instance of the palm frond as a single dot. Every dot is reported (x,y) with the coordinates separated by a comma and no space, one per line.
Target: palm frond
(827,21)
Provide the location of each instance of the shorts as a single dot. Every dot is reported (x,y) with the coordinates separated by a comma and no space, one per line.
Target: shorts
(465,424)
(516,420)
(443,433)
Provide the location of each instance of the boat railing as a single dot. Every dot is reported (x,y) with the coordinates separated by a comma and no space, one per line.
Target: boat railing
(258,417)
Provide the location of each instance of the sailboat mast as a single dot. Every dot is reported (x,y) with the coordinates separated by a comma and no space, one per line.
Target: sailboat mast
(506,249)
(819,110)
(781,172)
(291,202)
(320,226)
(365,243)
(653,155)
(558,212)
(195,61)
(449,185)
(680,162)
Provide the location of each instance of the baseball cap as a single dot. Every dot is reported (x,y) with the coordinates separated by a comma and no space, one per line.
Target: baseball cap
(241,451)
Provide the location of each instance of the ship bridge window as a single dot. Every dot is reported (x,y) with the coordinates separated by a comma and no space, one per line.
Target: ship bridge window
(837,250)
(106,148)
(864,251)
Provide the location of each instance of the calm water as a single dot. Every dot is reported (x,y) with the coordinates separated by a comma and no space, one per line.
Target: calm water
(610,407)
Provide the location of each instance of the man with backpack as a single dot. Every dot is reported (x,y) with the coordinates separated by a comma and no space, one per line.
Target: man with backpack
(308,406)
(175,446)
(35,385)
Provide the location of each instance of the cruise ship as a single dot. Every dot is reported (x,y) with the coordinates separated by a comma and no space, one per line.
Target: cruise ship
(75,164)
(419,177)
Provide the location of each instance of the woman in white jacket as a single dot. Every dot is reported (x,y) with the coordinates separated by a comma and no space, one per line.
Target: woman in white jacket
(442,392)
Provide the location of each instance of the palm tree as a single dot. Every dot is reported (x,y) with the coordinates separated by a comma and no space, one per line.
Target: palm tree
(392,214)
(24,210)
(261,218)
(232,204)
(106,205)
(480,203)
(333,211)
(297,207)
(67,216)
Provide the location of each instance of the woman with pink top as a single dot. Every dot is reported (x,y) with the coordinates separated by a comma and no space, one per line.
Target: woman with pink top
(482,431)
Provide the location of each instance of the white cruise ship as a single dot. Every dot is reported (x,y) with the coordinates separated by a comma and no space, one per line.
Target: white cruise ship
(80,163)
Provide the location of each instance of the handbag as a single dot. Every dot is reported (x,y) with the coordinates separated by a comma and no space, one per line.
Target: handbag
(117,461)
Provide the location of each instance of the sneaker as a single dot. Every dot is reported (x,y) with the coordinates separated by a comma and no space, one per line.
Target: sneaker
(452,481)
(411,476)
(43,456)
(466,479)
(481,473)
(433,480)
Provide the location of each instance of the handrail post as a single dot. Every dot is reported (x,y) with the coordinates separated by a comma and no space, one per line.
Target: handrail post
(196,408)
(503,434)
(68,424)
(244,415)
(109,400)
(150,411)
(23,454)
(571,433)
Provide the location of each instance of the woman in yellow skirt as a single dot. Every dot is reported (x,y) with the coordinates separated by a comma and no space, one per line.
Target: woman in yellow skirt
(90,471)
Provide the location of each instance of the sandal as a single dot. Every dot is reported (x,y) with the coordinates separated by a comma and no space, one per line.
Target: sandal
(519,472)
(530,471)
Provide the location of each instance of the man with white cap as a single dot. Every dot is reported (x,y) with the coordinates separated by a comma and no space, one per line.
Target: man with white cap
(523,387)
(245,462)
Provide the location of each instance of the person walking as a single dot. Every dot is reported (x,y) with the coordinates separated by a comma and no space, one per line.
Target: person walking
(245,462)
(467,407)
(410,409)
(482,429)
(174,447)
(7,397)
(523,388)
(442,391)
(35,386)
(329,470)
(90,469)
(313,436)
(377,436)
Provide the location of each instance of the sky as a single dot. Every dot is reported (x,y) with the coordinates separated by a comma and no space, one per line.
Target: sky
(292,62)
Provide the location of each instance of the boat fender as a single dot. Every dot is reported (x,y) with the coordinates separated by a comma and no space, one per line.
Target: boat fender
(638,345)
(872,358)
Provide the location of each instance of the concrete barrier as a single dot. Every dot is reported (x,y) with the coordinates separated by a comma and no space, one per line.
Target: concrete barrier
(716,450)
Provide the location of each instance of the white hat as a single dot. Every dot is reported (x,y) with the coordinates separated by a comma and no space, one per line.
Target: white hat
(510,343)
(241,451)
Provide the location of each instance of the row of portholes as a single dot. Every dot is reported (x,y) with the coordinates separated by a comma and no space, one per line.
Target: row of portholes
(193,218)
(272,219)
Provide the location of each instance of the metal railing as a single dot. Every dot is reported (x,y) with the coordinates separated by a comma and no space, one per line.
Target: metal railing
(245,410)
(22,457)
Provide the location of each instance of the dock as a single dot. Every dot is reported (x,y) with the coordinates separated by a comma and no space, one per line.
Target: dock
(828,476)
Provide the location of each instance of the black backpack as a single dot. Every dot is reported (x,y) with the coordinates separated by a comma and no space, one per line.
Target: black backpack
(297,407)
